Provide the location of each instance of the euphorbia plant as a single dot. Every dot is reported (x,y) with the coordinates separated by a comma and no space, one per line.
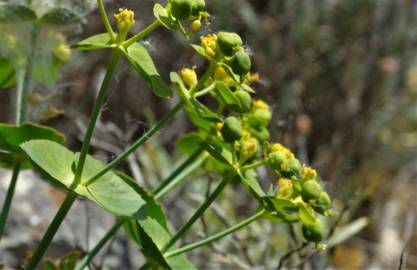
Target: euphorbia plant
(231,139)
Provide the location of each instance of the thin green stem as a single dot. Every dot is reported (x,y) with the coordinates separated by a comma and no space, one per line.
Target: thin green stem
(205,91)
(189,165)
(23,80)
(87,259)
(204,78)
(141,34)
(106,20)
(158,125)
(101,97)
(52,229)
(215,237)
(254,165)
(198,212)
(9,196)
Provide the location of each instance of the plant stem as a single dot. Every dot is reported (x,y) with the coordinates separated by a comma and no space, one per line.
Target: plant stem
(69,200)
(101,97)
(23,80)
(189,165)
(52,229)
(198,212)
(141,34)
(254,165)
(87,259)
(158,125)
(205,91)
(106,20)
(204,78)
(9,196)
(215,237)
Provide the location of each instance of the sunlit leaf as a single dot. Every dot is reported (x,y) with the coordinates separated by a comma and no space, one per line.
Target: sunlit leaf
(99,41)
(143,64)
(11,13)
(60,16)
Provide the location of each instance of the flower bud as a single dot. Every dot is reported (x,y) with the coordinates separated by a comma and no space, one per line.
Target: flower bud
(195,25)
(260,104)
(189,77)
(229,42)
(209,44)
(181,9)
(244,99)
(277,147)
(309,173)
(285,188)
(125,20)
(261,117)
(197,7)
(276,159)
(311,190)
(314,232)
(232,129)
(241,63)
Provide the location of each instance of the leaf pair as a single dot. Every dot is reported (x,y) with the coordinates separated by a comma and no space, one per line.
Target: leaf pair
(137,55)
(116,193)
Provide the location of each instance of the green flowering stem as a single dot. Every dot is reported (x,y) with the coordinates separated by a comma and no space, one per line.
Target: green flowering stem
(89,257)
(106,20)
(215,237)
(69,200)
(9,196)
(254,165)
(52,229)
(205,91)
(141,34)
(179,174)
(101,97)
(158,125)
(199,211)
(204,78)
(190,164)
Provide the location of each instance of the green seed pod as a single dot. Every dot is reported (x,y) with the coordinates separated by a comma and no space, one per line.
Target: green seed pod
(228,42)
(260,118)
(276,159)
(244,99)
(311,190)
(314,232)
(262,134)
(293,167)
(241,63)
(181,9)
(197,7)
(232,129)
(324,201)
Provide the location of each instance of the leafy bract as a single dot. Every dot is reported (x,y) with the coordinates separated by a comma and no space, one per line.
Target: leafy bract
(161,14)
(60,16)
(12,13)
(227,95)
(189,143)
(99,41)
(143,64)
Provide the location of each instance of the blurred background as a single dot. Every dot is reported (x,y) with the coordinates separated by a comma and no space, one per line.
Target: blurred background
(341,78)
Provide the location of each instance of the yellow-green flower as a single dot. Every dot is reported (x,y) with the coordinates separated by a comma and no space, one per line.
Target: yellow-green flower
(209,44)
(125,20)
(189,77)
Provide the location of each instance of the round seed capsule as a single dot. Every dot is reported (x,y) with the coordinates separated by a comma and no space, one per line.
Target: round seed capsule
(241,63)
(181,9)
(314,232)
(244,99)
(311,190)
(232,129)
(228,42)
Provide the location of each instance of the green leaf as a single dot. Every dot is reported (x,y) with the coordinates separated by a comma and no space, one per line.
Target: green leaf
(189,143)
(204,111)
(8,161)
(180,87)
(283,204)
(227,95)
(11,13)
(200,50)
(305,214)
(49,265)
(69,261)
(219,152)
(143,64)
(247,88)
(60,16)
(96,42)
(229,71)
(250,181)
(161,14)
(7,74)
(343,233)
(11,136)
